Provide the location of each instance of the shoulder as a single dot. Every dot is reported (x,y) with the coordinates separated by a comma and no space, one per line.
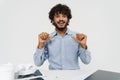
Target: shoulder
(53,33)
(73,33)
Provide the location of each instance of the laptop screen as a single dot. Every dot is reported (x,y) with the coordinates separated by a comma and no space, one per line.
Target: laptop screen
(104,75)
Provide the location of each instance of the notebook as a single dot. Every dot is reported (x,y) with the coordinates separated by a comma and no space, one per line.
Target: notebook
(104,75)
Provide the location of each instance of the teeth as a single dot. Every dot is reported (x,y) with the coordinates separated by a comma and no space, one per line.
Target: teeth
(61,22)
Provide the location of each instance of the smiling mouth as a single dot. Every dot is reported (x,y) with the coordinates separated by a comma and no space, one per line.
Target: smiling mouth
(61,22)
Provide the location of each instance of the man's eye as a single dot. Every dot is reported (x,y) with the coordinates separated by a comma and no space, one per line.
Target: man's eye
(64,16)
(57,16)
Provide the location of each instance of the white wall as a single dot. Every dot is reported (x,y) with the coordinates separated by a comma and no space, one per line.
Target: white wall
(22,20)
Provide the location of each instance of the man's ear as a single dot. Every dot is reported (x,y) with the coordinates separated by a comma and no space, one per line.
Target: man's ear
(52,22)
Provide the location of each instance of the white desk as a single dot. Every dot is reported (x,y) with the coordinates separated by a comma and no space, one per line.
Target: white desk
(7,74)
(64,74)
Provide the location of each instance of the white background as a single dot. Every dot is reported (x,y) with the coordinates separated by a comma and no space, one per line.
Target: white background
(22,20)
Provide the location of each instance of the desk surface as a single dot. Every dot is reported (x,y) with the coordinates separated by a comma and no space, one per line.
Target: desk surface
(7,73)
(64,74)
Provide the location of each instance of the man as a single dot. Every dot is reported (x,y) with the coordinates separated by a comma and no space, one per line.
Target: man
(63,47)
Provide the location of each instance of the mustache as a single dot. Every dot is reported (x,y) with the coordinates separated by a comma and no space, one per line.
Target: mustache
(61,21)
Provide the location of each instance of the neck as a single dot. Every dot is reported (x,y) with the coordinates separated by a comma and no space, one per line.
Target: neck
(61,32)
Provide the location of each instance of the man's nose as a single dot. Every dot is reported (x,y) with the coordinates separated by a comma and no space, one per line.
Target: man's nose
(61,18)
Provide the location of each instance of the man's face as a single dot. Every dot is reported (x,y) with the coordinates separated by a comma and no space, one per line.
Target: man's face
(60,21)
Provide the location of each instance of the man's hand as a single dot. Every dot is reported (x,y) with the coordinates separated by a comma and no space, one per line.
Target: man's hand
(42,39)
(81,38)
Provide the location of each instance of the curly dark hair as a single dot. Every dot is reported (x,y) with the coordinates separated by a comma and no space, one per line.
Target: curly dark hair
(60,8)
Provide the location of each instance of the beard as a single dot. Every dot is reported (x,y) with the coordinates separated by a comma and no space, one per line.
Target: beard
(61,28)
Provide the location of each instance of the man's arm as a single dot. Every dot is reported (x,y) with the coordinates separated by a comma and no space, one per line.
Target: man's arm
(85,55)
(83,52)
(41,53)
(40,56)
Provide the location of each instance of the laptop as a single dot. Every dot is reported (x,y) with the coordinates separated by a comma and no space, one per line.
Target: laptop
(104,75)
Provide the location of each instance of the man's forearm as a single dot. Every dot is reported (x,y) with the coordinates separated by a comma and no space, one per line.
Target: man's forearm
(38,57)
(85,56)
(40,45)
